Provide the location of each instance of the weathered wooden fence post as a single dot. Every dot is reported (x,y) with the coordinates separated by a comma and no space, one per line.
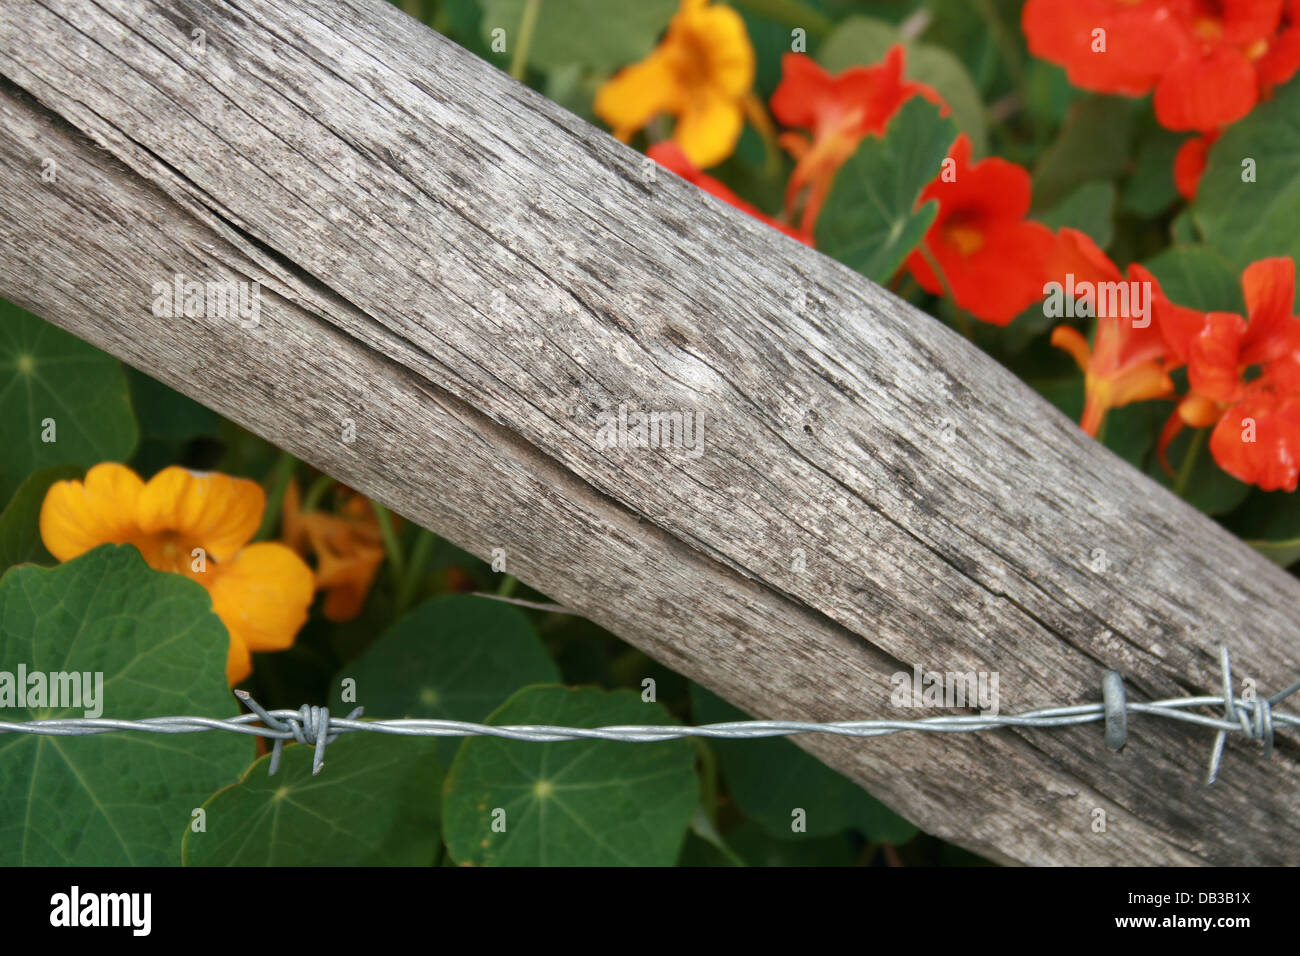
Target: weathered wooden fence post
(476,280)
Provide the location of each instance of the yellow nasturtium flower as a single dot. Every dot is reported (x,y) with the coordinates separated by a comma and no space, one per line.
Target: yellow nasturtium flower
(198,525)
(701,72)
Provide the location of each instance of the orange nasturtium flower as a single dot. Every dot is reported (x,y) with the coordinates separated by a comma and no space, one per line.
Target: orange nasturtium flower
(1126,362)
(992,259)
(839,111)
(1244,378)
(348,548)
(701,73)
(1208,61)
(198,525)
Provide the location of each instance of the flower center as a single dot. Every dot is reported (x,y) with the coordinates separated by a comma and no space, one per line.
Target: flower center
(171,552)
(170,555)
(694,62)
(1208,28)
(966,238)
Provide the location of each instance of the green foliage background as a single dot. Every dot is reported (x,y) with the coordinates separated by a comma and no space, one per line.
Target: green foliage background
(424,647)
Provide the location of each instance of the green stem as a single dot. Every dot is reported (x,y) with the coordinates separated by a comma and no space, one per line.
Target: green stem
(277,482)
(420,554)
(508,585)
(391,547)
(762,122)
(316,491)
(1189,462)
(527,23)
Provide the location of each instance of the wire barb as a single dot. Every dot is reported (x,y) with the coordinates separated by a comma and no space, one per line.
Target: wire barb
(1254,717)
(310,726)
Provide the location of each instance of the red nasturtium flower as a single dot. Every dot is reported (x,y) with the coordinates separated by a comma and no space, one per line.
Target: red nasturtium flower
(838,111)
(993,260)
(1244,377)
(1125,363)
(1208,61)
(1257,440)
(672,157)
(198,525)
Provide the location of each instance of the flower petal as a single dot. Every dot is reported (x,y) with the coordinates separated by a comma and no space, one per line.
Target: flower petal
(1001,278)
(637,94)
(1258,442)
(1190,162)
(1281,60)
(1139,383)
(720,31)
(239,662)
(800,94)
(1269,286)
(213,511)
(262,596)
(1202,93)
(1140,39)
(709,127)
(1071,340)
(77,516)
(1212,363)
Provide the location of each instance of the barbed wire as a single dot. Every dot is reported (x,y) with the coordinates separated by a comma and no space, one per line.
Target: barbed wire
(314,726)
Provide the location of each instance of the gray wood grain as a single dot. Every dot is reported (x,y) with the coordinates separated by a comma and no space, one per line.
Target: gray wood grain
(473,276)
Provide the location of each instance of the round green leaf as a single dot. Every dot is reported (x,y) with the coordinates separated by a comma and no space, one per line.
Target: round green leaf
(937,68)
(602,35)
(1093,144)
(857,41)
(375,803)
(1089,209)
(454,658)
(57,387)
(759,849)
(121,798)
(770,778)
(574,803)
(1150,188)
(871,221)
(1183,229)
(167,415)
(1198,278)
(1248,201)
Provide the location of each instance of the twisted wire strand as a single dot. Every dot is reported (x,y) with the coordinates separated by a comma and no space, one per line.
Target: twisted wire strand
(314,726)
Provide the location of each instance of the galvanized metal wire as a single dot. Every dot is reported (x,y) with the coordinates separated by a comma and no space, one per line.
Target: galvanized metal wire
(1255,718)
